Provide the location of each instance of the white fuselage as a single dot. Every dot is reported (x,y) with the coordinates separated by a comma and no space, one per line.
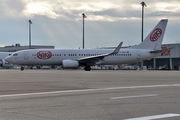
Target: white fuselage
(3,63)
(4,54)
(73,58)
(56,56)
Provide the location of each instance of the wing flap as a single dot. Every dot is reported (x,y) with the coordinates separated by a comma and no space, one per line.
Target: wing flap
(92,60)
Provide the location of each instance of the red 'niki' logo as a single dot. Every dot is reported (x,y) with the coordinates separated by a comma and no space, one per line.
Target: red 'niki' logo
(156,34)
(44,54)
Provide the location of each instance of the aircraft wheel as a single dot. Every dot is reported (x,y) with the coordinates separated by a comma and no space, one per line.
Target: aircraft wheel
(38,67)
(22,68)
(87,68)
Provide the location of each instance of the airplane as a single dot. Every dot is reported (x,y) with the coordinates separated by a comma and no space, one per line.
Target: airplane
(3,63)
(74,58)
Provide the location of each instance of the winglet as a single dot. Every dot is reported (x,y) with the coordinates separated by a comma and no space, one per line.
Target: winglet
(117,49)
(100,57)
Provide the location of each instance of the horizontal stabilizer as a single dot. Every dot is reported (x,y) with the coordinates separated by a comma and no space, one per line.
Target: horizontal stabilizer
(160,51)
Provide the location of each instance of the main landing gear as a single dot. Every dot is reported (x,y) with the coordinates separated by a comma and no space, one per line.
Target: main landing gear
(22,68)
(87,68)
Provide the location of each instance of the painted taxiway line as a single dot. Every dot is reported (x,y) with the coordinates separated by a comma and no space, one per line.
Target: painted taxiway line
(88,90)
(138,96)
(154,117)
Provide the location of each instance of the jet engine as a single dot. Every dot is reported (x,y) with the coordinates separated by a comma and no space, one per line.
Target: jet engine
(70,64)
(5,64)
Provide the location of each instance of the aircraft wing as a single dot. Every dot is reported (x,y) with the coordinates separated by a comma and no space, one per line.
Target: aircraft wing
(92,60)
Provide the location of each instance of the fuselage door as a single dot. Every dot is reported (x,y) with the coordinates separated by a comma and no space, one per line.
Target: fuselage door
(26,55)
(138,55)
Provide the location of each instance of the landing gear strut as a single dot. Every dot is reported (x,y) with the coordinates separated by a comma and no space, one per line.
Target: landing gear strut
(87,68)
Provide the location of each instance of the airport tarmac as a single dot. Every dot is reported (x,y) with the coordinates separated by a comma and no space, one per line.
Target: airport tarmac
(93,95)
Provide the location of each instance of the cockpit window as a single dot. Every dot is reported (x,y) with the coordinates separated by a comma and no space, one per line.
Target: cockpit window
(15,54)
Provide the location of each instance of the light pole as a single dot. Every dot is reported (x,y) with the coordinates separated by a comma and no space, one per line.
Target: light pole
(142,4)
(84,16)
(30,33)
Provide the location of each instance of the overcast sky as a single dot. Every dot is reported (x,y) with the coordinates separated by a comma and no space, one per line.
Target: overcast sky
(108,22)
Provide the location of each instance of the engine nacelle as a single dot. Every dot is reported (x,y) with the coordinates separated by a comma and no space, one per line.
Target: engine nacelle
(5,64)
(70,64)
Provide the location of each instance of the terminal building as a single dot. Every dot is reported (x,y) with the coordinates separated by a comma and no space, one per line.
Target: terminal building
(18,47)
(168,60)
